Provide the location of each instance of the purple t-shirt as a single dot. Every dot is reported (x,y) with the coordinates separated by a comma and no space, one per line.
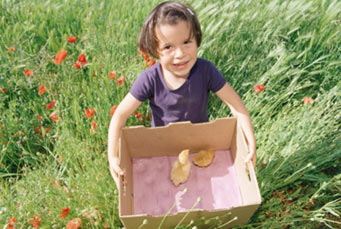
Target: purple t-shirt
(186,103)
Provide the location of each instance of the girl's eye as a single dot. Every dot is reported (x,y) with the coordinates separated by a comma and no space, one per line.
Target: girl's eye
(187,42)
(167,47)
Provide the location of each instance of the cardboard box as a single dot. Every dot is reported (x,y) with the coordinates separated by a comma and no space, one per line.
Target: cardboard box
(221,134)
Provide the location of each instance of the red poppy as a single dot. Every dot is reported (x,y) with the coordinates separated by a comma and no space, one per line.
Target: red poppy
(307,100)
(10,49)
(82,59)
(11,222)
(259,88)
(148,116)
(74,224)
(138,115)
(77,65)
(50,105)
(93,125)
(41,89)
(89,112)
(39,117)
(3,90)
(61,55)
(112,75)
(28,72)
(54,117)
(113,109)
(151,63)
(65,212)
(72,39)
(35,221)
(121,80)
(262,164)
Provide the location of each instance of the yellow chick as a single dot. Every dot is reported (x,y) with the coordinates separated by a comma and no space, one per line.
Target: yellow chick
(181,168)
(203,158)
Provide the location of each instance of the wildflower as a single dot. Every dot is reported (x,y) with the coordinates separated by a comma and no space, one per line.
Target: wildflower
(74,223)
(82,59)
(11,222)
(77,65)
(41,89)
(93,125)
(50,105)
(54,117)
(89,113)
(113,109)
(10,49)
(4,90)
(28,72)
(307,100)
(148,116)
(61,55)
(121,80)
(72,39)
(262,164)
(259,88)
(138,115)
(151,63)
(35,221)
(65,212)
(112,75)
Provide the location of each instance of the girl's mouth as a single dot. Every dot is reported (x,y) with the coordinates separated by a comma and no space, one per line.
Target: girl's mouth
(181,65)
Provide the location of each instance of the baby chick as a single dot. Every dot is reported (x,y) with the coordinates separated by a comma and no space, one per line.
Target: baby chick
(181,168)
(203,158)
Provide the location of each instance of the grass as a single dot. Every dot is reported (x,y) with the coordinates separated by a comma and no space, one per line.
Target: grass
(292,47)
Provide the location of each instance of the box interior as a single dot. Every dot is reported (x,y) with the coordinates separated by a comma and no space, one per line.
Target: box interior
(221,134)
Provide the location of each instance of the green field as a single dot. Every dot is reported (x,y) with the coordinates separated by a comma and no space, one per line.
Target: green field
(292,47)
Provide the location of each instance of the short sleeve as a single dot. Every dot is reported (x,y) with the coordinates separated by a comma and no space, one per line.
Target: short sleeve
(142,87)
(216,80)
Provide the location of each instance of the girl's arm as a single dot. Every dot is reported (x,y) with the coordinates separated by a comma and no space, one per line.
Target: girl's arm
(127,106)
(233,101)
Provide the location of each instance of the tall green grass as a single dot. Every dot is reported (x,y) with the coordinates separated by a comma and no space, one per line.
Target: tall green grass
(292,47)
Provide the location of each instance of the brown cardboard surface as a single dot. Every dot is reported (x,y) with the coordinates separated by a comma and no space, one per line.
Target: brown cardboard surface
(170,140)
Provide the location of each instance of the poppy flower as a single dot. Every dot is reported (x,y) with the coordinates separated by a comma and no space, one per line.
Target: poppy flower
(74,223)
(10,49)
(121,80)
(89,112)
(307,100)
(138,115)
(50,105)
(11,222)
(262,164)
(151,63)
(41,89)
(65,212)
(112,75)
(148,116)
(35,222)
(93,125)
(54,117)
(72,39)
(82,59)
(61,55)
(3,90)
(28,72)
(113,109)
(259,88)
(77,65)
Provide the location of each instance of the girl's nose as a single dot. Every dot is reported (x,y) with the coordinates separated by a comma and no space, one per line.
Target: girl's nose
(179,52)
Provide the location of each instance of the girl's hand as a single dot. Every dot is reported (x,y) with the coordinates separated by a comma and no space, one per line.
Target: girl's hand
(116,171)
(251,157)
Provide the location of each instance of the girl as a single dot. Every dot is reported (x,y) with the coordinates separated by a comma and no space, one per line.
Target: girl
(178,86)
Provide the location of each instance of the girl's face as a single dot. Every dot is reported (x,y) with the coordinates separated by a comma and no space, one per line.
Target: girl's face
(177,50)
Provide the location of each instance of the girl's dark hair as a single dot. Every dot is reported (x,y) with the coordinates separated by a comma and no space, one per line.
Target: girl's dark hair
(167,13)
